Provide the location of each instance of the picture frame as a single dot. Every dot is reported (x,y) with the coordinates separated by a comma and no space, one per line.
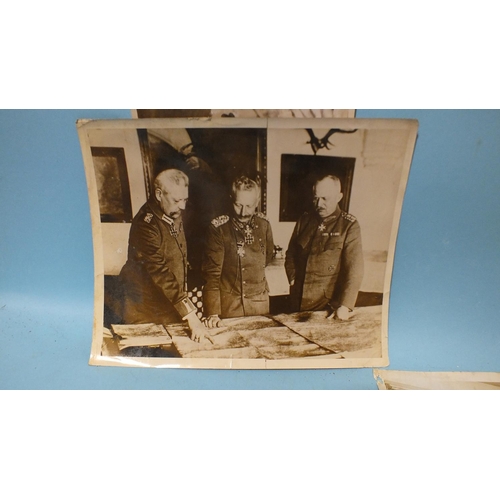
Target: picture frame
(112,184)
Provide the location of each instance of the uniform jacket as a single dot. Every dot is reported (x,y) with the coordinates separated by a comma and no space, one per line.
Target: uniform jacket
(154,276)
(325,258)
(234,271)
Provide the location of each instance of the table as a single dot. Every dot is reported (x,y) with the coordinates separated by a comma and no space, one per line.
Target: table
(283,336)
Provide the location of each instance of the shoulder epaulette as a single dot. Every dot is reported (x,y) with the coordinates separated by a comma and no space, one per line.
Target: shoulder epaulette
(219,221)
(148,218)
(348,217)
(262,216)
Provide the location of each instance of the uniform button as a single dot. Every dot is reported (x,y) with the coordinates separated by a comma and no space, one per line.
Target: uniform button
(243,269)
(244,282)
(244,296)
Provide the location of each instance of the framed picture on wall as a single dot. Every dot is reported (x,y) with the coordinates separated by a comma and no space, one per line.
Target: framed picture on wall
(112,184)
(257,243)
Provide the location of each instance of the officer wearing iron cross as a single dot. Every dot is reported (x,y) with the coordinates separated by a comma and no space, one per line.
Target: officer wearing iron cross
(324,260)
(155,275)
(239,247)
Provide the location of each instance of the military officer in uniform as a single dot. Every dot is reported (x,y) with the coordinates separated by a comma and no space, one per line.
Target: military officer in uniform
(238,249)
(324,260)
(155,275)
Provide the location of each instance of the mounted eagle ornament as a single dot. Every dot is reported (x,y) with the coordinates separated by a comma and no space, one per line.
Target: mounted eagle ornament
(317,144)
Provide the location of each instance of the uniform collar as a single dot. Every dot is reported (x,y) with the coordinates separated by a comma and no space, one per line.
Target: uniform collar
(167,219)
(243,225)
(155,208)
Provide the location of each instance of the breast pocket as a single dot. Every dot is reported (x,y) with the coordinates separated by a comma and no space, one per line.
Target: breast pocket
(334,243)
(326,263)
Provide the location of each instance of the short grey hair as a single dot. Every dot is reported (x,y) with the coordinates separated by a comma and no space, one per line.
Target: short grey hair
(244,183)
(169,177)
(334,178)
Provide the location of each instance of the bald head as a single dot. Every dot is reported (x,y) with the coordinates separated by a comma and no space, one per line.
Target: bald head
(327,195)
(171,177)
(171,192)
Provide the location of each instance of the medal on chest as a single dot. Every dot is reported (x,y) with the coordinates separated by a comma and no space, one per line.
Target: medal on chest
(244,231)
(173,230)
(240,248)
(249,239)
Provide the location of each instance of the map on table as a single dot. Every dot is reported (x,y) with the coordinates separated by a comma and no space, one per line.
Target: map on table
(284,336)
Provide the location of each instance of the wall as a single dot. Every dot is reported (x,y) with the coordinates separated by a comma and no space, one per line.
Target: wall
(379,157)
(115,235)
(444,311)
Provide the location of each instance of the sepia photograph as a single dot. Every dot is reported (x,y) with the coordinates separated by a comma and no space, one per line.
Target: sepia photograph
(222,241)
(243,113)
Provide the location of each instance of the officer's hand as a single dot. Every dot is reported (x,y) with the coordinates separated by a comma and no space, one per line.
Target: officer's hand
(343,313)
(213,321)
(198,331)
(200,334)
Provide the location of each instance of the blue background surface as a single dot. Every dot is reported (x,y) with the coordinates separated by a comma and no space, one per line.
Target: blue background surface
(444,309)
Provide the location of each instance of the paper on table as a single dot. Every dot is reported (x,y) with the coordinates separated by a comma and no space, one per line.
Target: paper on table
(360,333)
(147,334)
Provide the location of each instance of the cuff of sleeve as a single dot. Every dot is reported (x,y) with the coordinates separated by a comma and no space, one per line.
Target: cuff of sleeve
(211,303)
(350,309)
(184,307)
